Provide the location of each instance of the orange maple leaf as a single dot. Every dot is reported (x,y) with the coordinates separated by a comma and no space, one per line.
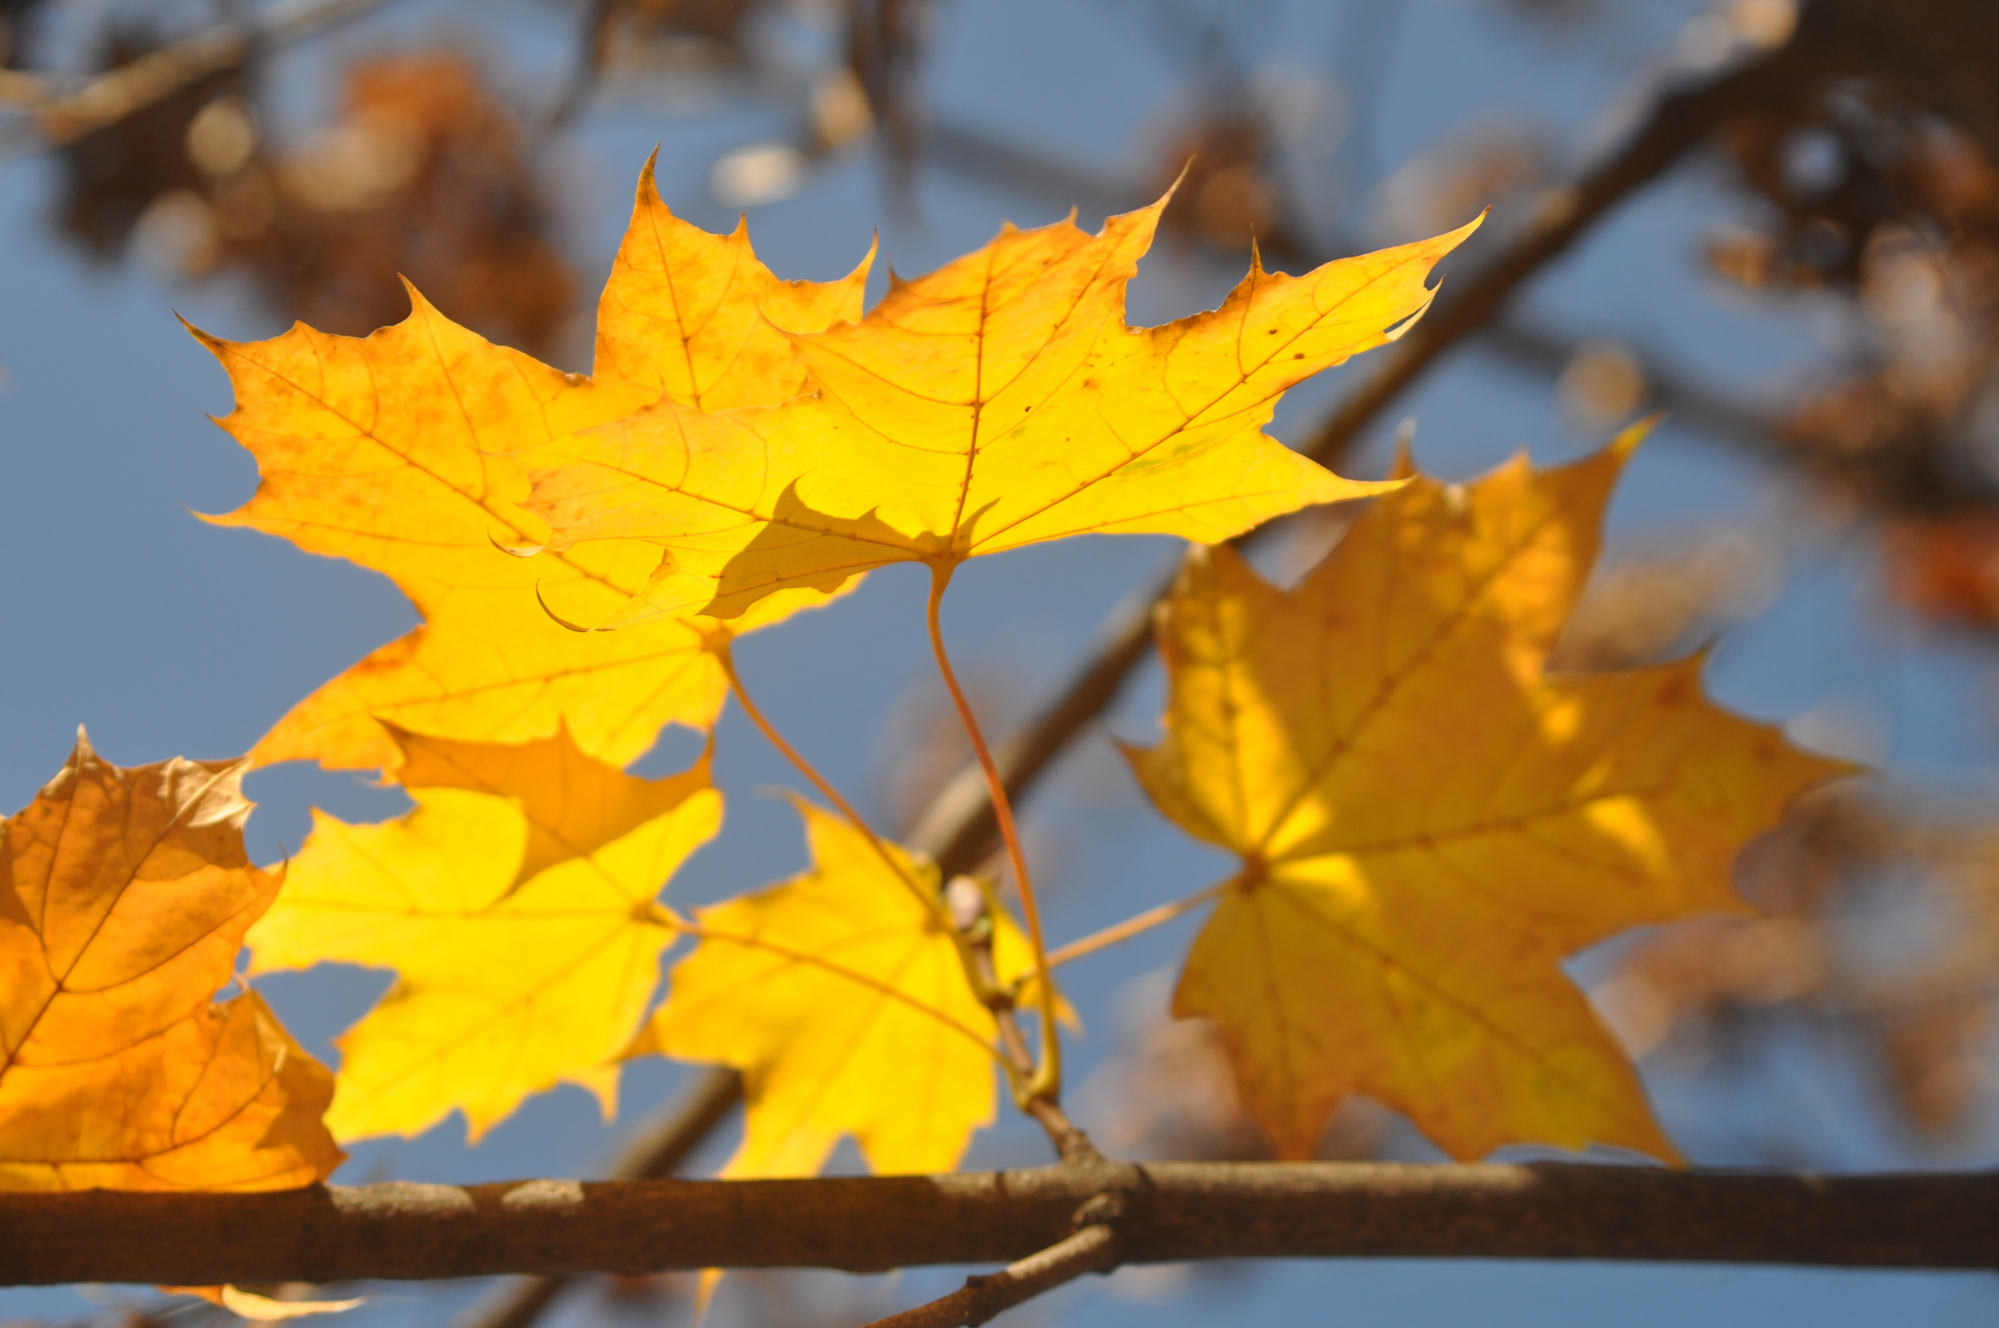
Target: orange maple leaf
(124,896)
(1429,823)
(395,452)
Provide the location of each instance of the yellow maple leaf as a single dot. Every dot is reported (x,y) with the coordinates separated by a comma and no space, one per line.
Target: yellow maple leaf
(1429,823)
(997,402)
(841,997)
(395,452)
(700,319)
(516,904)
(124,896)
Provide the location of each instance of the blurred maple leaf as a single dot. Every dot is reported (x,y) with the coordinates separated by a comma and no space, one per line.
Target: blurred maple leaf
(850,1013)
(124,896)
(1429,823)
(997,402)
(516,906)
(395,451)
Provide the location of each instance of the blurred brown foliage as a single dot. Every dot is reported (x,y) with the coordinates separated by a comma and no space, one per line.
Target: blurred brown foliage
(423,173)
(112,175)
(1877,919)
(1873,196)
(1225,196)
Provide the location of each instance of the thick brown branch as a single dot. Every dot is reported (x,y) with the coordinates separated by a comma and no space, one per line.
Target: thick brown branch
(659,1151)
(1171,1211)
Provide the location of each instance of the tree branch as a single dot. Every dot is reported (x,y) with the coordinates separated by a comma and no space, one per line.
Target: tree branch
(1091,1250)
(1170,1211)
(656,1153)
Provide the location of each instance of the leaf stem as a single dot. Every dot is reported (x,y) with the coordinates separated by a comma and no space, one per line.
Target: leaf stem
(1146,921)
(725,657)
(1046,1082)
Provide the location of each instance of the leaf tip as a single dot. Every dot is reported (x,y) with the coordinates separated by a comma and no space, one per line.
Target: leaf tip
(1403,467)
(1628,438)
(418,305)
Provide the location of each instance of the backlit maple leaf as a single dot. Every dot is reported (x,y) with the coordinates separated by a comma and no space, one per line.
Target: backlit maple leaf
(1429,823)
(997,402)
(515,905)
(845,1005)
(124,896)
(395,451)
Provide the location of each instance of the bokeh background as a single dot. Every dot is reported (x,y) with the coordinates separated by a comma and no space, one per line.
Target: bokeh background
(1808,288)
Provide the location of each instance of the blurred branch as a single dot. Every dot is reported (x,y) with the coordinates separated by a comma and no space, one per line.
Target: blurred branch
(958,828)
(1680,122)
(1885,482)
(1160,1212)
(593,54)
(992,159)
(1736,424)
(159,74)
(21,89)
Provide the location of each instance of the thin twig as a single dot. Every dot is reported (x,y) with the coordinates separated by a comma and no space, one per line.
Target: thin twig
(1091,1250)
(972,917)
